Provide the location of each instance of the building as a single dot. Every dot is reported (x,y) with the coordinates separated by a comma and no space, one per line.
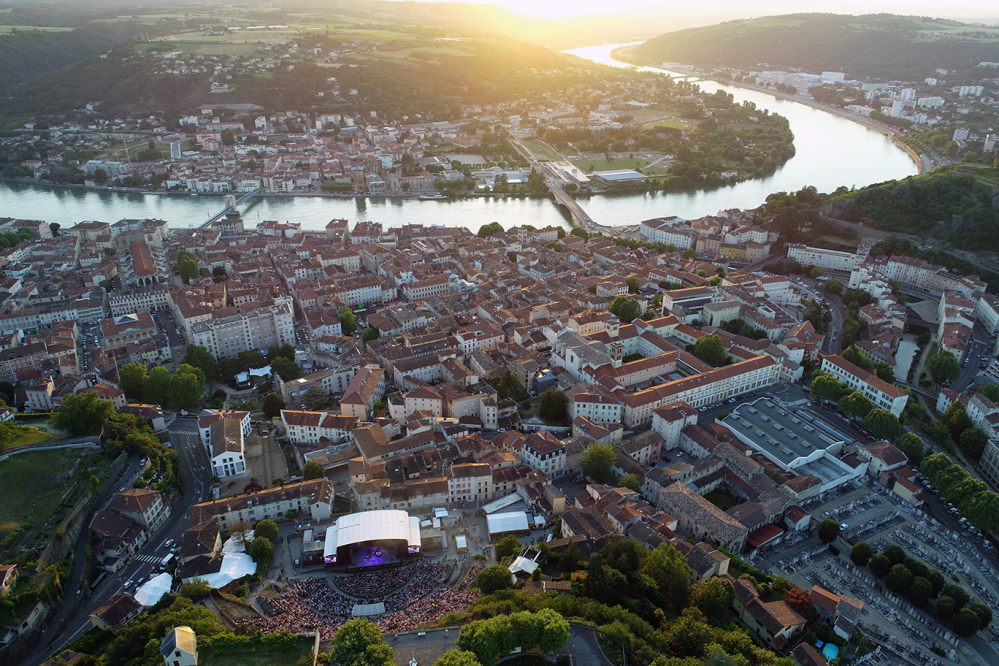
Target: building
(701,519)
(229,332)
(388,528)
(878,391)
(118,611)
(143,505)
(226,448)
(305,499)
(831,260)
(470,482)
(543,451)
(365,389)
(316,427)
(180,647)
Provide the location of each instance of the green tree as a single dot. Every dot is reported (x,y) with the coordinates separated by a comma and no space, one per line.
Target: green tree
(313,470)
(834,287)
(957,420)
(920,591)
(990,391)
(984,614)
(186,387)
(631,482)
(958,594)
(570,559)
(710,349)
(494,578)
(130,380)
(937,580)
(581,232)
(912,446)
(626,309)
(966,622)
(668,569)
(855,404)
(885,372)
(198,356)
(973,441)
(507,546)
(633,285)
(156,388)
(945,608)
(187,266)
(457,658)
(713,597)
(100,176)
(880,566)
(552,405)
(857,356)
(597,461)
(272,406)
(899,579)
(288,370)
(828,531)
(943,366)
(894,553)
(826,387)
(882,424)
(816,272)
(347,323)
(316,399)
(369,335)
(82,414)
(360,643)
(861,553)
(267,529)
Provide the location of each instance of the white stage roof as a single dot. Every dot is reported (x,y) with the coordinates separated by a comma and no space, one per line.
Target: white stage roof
(153,591)
(383,525)
(507,522)
(234,567)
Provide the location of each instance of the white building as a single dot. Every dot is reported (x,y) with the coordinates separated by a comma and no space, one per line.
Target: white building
(825,259)
(180,647)
(877,390)
(543,451)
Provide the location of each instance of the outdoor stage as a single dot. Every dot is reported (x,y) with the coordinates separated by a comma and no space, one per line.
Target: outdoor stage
(372,539)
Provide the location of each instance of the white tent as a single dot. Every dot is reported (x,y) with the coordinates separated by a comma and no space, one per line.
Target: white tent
(153,591)
(522,565)
(234,567)
(507,522)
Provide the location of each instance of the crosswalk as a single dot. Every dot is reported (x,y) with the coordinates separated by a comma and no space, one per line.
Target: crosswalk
(184,432)
(151,559)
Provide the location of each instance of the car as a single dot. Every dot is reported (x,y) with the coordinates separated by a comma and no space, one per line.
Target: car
(168,543)
(843,526)
(679,454)
(128,583)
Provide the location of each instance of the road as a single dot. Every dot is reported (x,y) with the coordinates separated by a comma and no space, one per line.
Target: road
(979,349)
(69,623)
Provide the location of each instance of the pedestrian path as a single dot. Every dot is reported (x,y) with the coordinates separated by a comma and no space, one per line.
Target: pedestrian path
(151,559)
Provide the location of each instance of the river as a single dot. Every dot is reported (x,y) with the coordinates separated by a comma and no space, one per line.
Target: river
(831,151)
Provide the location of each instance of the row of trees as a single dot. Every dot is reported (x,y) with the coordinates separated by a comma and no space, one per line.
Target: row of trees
(181,390)
(911,577)
(281,359)
(971,497)
(881,423)
(488,639)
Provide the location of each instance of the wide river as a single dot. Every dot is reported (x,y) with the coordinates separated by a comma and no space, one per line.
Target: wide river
(831,151)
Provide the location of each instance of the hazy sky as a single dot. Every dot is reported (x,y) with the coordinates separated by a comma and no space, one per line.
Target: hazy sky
(722,10)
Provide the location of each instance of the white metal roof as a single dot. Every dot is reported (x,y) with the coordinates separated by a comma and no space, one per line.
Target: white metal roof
(507,522)
(462,542)
(501,503)
(383,525)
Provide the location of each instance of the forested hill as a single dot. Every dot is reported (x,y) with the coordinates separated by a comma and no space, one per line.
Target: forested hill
(879,46)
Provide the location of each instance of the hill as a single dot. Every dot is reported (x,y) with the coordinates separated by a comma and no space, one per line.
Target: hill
(881,46)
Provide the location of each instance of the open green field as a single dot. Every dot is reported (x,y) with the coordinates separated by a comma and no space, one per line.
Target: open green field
(33,484)
(27,436)
(675,124)
(541,151)
(261,655)
(721,499)
(11,28)
(616,163)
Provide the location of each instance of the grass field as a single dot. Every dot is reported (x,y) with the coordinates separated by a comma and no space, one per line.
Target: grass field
(541,150)
(28,436)
(11,28)
(721,499)
(674,124)
(33,484)
(616,163)
(262,655)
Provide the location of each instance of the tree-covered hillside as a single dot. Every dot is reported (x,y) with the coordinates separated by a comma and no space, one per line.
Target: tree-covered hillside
(879,46)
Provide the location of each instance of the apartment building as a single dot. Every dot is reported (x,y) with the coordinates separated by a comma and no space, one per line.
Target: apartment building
(306,499)
(127,328)
(144,506)
(140,299)
(830,260)
(669,231)
(316,427)
(470,482)
(229,332)
(596,407)
(543,451)
(878,391)
(429,288)
(365,389)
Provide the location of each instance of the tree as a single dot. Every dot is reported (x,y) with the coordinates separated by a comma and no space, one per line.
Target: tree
(801,602)
(597,461)
(54,228)
(861,553)
(494,578)
(857,356)
(885,372)
(581,232)
(917,567)
(626,309)
(186,387)
(130,380)
(828,531)
(899,579)
(882,424)
(156,388)
(826,387)
(984,614)
(973,441)
(834,287)
(288,370)
(552,405)
(937,580)
(710,349)
(668,569)
(267,529)
(187,266)
(82,414)
(313,470)
(920,591)
(507,546)
(816,272)
(368,335)
(347,323)
(316,399)
(966,622)
(894,553)
(945,608)
(100,176)
(570,559)
(360,643)
(456,658)
(880,566)
(912,446)
(713,597)
(633,285)
(631,482)
(958,594)
(990,391)
(855,404)
(943,366)
(273,404)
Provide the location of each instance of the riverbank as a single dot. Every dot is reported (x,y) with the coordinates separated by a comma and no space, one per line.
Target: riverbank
(621,54)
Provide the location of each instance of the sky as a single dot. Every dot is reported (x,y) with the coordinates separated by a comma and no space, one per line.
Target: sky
(711,11)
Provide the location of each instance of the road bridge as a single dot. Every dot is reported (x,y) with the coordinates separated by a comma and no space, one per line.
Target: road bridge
(233,207)
(563,199)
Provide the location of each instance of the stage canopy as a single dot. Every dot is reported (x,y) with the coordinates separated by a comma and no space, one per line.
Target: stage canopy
(367,526)
(153,591)
(507,522)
